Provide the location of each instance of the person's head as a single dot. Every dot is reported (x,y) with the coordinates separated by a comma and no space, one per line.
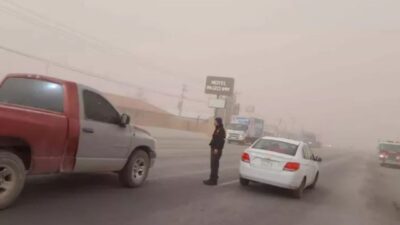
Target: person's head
(218,122)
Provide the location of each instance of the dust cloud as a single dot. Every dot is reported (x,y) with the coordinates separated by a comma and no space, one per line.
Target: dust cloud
(326,66)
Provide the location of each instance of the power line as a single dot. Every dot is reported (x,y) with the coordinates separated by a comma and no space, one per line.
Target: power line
(59,27)
(44,23)
(95,75)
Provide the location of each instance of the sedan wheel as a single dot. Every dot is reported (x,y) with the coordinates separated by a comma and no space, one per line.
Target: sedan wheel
(312,186)
(244,182)
(298,193)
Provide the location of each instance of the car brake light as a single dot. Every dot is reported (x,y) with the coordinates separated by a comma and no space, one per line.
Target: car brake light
(246,157)
(292,166)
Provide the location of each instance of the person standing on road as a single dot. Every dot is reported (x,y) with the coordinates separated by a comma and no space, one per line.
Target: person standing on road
(217,144)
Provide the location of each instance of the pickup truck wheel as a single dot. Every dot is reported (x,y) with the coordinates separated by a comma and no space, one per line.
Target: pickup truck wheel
(135,171)
(12,178)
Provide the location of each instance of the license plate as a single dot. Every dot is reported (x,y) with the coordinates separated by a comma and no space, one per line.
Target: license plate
(267,163)
(264,163)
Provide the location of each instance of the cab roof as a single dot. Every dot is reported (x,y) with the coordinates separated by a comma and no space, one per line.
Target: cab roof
(36,76)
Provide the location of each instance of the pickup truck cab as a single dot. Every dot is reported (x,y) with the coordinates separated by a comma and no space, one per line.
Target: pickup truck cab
(49,125)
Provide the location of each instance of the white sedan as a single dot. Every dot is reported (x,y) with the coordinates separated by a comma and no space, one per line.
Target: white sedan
(280,162)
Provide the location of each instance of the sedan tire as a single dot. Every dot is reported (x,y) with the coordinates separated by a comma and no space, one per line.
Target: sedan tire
(298,193)
(244,182)
(312,186)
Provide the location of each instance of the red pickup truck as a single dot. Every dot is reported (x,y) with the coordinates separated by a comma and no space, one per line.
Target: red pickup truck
(48,125)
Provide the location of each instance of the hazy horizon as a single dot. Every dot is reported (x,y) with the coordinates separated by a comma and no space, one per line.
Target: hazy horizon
(328,67)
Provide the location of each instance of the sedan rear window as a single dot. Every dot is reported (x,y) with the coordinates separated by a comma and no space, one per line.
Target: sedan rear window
(33,93)
(276,146)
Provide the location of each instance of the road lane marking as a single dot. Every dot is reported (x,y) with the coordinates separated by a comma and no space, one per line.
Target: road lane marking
(228,183)
(186,174)
(335,161)
(324,164)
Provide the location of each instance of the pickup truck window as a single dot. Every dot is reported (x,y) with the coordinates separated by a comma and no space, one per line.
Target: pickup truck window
(33,93)
(99,109)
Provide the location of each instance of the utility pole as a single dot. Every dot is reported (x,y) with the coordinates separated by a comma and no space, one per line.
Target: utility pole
(230,106)
(180,103)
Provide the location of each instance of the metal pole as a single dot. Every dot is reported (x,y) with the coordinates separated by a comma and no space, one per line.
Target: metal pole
(180,104)
(216,110)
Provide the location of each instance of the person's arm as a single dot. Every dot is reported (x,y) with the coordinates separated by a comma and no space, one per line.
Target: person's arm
(219,139)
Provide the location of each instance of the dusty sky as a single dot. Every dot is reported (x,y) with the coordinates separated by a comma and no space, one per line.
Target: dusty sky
(328,66)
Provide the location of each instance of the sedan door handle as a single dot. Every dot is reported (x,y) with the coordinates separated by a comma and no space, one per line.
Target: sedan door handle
(88,130)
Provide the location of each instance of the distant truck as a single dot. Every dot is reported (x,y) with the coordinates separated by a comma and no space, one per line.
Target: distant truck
(49,125)
(244,129)
(310,139)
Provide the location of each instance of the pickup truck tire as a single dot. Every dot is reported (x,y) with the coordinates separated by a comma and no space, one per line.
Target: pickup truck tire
(136,169)
(12,178)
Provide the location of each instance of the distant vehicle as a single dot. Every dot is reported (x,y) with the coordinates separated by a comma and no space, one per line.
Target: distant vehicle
(389,153)
(49,125)
(280,162)
(310,139)
(245,129)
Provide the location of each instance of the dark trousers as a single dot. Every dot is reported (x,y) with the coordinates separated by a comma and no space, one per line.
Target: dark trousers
(215,163)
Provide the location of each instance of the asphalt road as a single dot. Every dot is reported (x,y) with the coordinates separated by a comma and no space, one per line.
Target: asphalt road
(353,190)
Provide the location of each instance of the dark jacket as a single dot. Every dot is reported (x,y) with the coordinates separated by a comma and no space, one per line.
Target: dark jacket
(218,138)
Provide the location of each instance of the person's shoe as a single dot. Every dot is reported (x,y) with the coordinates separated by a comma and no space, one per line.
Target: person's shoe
(210,182)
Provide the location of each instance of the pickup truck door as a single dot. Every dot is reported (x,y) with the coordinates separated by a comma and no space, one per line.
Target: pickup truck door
(104,144)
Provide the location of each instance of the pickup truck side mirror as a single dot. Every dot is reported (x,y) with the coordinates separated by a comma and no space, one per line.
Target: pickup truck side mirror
(125,119)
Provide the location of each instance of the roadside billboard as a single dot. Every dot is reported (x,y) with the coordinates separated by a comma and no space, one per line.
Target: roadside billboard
(220,85)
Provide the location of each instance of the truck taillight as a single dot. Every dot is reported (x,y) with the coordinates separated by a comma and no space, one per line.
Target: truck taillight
(292,166)
(245,157)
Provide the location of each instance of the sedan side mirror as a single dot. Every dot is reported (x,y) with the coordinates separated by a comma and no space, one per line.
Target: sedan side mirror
(125,119)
